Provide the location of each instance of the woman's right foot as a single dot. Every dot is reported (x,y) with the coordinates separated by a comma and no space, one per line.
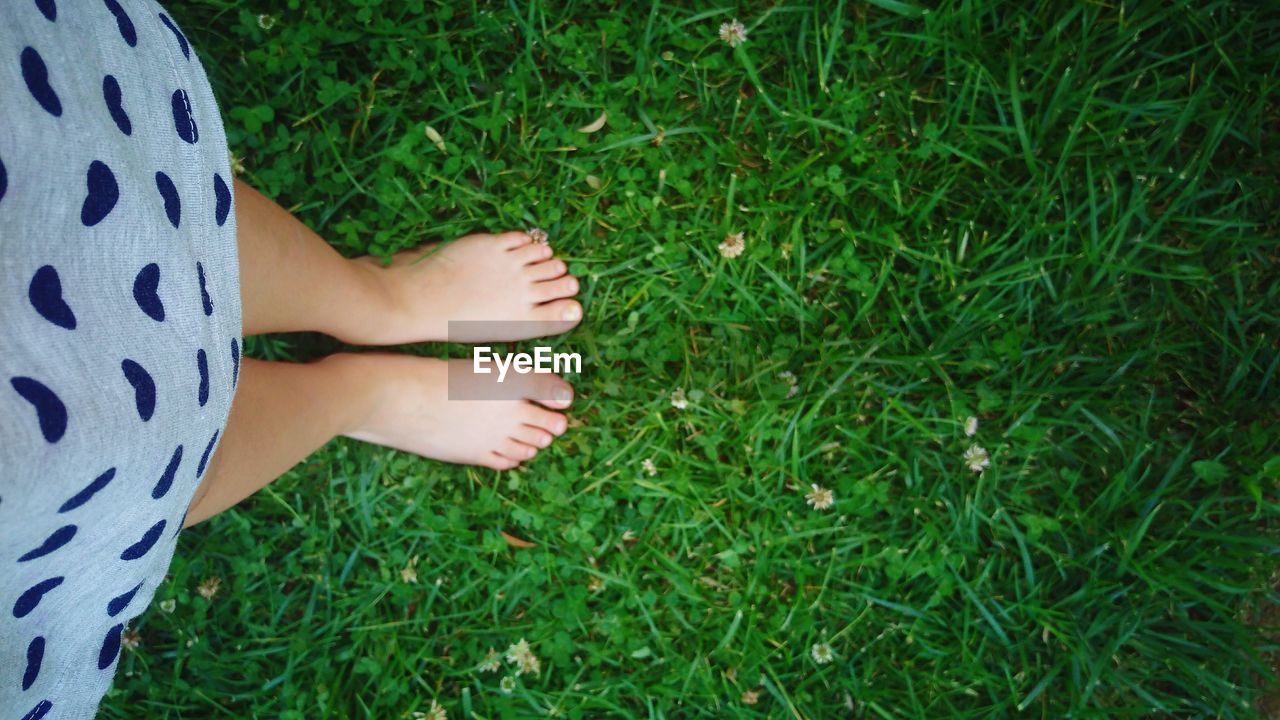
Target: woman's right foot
(506,287)
(409,409)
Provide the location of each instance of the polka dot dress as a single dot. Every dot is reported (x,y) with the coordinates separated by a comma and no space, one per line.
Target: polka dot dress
(119,330)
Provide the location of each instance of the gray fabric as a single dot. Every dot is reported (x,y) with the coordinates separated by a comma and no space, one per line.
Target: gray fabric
(79,322)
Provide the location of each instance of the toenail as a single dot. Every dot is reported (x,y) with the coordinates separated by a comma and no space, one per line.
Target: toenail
(528,452)
(573,313)
(564,395)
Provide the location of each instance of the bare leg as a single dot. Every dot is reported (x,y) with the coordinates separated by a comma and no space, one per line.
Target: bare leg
(292,280)
(283,412)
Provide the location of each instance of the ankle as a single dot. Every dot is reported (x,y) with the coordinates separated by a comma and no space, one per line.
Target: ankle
(374,304)
(358,385)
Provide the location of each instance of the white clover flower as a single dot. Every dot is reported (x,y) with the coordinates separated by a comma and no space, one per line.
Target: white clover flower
(437,712)
(733,33)
(539,235)
(678,399)
(410,572)
(649,468)
(131,639)
(733,245)
(794,385)
(822,653)
(209,587)
(970,426)
(492,663)
(819,497)
(521,655)
(750,697)
(508,685)
(266,22)
(976,458)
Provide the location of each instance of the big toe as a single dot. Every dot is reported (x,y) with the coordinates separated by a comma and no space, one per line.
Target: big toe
(564,313)
(551,391)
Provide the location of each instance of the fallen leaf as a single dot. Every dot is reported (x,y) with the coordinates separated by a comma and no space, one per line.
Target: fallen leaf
(516,542)
(596,125)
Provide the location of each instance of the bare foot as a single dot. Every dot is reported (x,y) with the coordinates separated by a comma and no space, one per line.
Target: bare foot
(504,285)
(411,410)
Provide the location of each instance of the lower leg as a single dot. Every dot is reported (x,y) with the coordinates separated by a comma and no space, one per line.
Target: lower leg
(282,413)
(292,280)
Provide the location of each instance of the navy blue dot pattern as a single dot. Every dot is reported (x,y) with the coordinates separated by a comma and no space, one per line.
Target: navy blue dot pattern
(204,459)
(146,292)
(115,376)
(202,367)
(172,204)
(35,654)
(41,709)
(48,8)
(206,302)
(182,39)
(31,598)
(50,412)
(144,544)
(123,22)
(223,197)
(121,601)
(144,388)
(110,647)
(114,99)
(166,479)
(86,494)
(45,293)
(183,122)
(102,194)
(60,537)
(36,75)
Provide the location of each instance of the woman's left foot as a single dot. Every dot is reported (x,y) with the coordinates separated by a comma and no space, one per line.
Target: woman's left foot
(505,287)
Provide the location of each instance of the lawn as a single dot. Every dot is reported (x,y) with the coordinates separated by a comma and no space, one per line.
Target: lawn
(1058,218)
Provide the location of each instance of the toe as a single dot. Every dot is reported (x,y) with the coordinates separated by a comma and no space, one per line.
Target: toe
(548,290)
(511,240)
(498,462)
(552,392)
(546,420)
(546,270)
(531,253)
(516,450)
(566,312)
(534,436)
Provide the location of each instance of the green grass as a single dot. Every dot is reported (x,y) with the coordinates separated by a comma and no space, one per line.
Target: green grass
(1059,217)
